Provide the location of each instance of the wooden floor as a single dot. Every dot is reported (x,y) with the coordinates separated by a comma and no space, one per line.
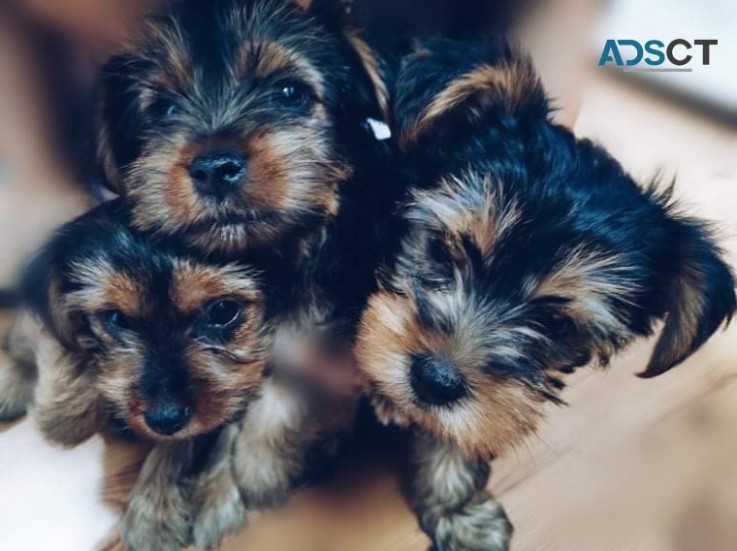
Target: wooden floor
(629,465)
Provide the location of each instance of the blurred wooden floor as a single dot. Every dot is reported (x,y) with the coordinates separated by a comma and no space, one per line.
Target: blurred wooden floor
(629,465)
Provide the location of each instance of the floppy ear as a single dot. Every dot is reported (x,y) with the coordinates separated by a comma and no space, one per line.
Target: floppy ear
(700,297)
(376,75)
(41,291)
(117,122)
(445,86)
(67,406)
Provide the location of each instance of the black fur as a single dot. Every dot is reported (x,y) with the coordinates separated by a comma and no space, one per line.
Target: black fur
(571,192)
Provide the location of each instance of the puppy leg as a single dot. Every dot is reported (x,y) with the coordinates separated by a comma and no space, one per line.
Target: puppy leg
(18,372)
(217,504)
(447,492)
(67,405)
(158,516)
(285,437)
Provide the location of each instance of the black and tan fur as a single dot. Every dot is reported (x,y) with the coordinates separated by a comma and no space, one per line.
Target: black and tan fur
(176,348)
(275,97)
(522,253)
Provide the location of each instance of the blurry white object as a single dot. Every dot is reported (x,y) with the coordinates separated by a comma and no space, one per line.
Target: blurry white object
(666,20)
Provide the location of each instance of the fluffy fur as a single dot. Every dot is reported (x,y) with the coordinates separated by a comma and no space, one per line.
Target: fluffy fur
(238,129)
(172,345)
(175,347)
(282,91)
(521,254)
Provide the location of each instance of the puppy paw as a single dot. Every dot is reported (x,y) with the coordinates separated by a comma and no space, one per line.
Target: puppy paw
(159,513)
(160,524)
(481,525)
(17,376)
(16,390)
(219,512)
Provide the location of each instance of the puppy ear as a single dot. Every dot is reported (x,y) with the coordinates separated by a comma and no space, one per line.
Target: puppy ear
(700,296)
(375,74)
(445,86)
(41,291)
(117,122)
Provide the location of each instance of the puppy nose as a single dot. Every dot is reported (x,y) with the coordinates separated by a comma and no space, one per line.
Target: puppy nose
(435,381)
(218,173)
(166,417)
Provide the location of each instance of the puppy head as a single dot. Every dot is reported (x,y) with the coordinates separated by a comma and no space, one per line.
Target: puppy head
(174,346)
(227,121)
(521,267)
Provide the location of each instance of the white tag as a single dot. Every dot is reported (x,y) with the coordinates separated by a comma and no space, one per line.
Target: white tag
(380,129)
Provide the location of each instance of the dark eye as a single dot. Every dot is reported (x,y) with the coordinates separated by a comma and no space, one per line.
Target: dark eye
(561,325)
(294,94)
(438,250)
(223,313)
(115,319)
(165,108)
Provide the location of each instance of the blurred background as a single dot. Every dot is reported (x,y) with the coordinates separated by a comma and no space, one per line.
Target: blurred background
(629,465)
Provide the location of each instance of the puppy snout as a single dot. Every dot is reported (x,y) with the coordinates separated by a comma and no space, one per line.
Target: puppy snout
(218,173)
(435,381)
(167,417)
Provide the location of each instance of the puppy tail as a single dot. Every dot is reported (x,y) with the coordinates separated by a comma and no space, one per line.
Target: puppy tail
(700,296)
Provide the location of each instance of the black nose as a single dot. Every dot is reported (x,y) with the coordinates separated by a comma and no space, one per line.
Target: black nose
(435,381)
(218,173)
(166,417)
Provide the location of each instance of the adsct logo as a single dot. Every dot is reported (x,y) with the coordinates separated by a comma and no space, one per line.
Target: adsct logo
(632,55)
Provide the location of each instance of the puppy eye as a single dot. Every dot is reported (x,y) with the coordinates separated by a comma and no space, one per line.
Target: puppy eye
(165,108)
(438,250)
(223,313)
(561,325)
(115,319)
(294,94)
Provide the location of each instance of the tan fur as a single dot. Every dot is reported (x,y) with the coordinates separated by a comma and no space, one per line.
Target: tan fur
(18,372)
(267,58)
(158,516)
(289,173)
(67,406)
(447,492)
(104,149)
(171,45)
(195,286)
(105,288)
(371,66)
(589,279)
(217,504)
(501,410)
(682,323)
(509,85)
(461,216)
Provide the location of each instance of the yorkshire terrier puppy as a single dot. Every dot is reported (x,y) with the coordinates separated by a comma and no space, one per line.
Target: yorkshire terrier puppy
(232,124)
(240,127)
(521,254)
(174,345)
(176,348)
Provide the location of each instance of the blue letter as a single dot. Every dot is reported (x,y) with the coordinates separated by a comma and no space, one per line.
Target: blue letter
(659,55)
(638,48)
(610,53)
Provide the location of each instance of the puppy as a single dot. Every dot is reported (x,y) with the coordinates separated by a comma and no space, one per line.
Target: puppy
(231,123)
(239,127)
(173,345)
(521,254)
(176,348)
